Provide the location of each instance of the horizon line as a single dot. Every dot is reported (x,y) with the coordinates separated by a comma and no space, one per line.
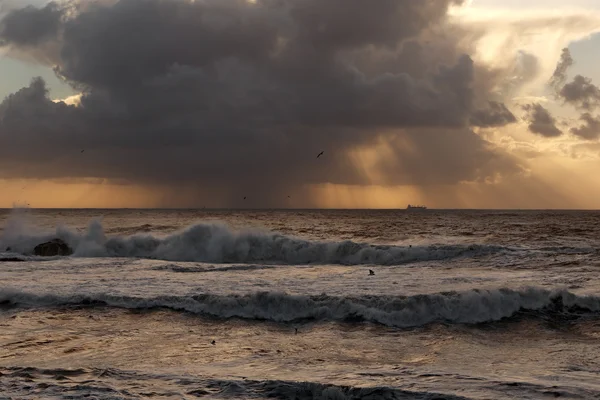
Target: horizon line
(293,209)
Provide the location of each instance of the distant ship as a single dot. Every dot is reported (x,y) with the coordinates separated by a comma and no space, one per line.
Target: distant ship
(411,207)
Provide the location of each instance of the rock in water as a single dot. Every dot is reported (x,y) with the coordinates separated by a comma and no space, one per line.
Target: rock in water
(55,247)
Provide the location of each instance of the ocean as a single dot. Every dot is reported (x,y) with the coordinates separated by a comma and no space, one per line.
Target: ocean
(254,304)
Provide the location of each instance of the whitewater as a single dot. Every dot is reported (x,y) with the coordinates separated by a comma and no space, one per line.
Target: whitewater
(280,304)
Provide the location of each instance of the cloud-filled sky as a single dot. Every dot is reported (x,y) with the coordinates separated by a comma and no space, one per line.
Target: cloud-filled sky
(179,103)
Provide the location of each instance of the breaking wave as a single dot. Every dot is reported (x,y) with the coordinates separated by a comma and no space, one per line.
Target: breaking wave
(217,243)
(471,307)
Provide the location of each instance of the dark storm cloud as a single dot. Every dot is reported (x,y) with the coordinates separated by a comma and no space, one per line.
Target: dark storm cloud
(540,121)
(477,162)
(581,93)
(559,77)
(590,129)
(229,93)
(495,115)
(30,26)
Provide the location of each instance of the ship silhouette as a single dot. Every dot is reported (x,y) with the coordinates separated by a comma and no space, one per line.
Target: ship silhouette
(411,207)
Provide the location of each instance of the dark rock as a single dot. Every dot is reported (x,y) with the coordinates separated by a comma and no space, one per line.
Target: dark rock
(55,247)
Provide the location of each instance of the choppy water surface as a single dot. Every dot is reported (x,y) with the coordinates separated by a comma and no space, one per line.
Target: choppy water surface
(462,304)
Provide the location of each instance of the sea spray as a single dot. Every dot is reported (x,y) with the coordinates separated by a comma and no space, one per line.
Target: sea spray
(218,243)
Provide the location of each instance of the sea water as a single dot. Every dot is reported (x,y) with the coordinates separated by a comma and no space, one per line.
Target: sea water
(281,304)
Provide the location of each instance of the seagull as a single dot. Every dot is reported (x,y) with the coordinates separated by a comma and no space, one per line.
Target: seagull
(320,154)
(371,272)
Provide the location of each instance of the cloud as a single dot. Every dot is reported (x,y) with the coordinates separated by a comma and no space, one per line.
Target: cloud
(526,43)
(74,100)
(30,26)
(238,96)
(540,121)
(590,130)
(478,161)
(495,115)
(559,77)
(581,93)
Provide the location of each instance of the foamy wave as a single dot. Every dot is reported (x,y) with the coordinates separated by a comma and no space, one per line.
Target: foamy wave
(217,243)
(475,306)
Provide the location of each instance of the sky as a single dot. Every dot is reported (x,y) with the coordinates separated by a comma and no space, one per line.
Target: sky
(180,103)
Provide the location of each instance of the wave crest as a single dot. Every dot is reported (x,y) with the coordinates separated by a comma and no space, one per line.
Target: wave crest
(471,307)
(217,243)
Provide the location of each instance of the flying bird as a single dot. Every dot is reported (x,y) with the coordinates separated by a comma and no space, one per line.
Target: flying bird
(320,154)
(244,197)
(82,151)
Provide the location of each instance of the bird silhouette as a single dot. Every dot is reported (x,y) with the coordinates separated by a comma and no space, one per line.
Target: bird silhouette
(244,197)
(82,151)
(320,154)
(371,272)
